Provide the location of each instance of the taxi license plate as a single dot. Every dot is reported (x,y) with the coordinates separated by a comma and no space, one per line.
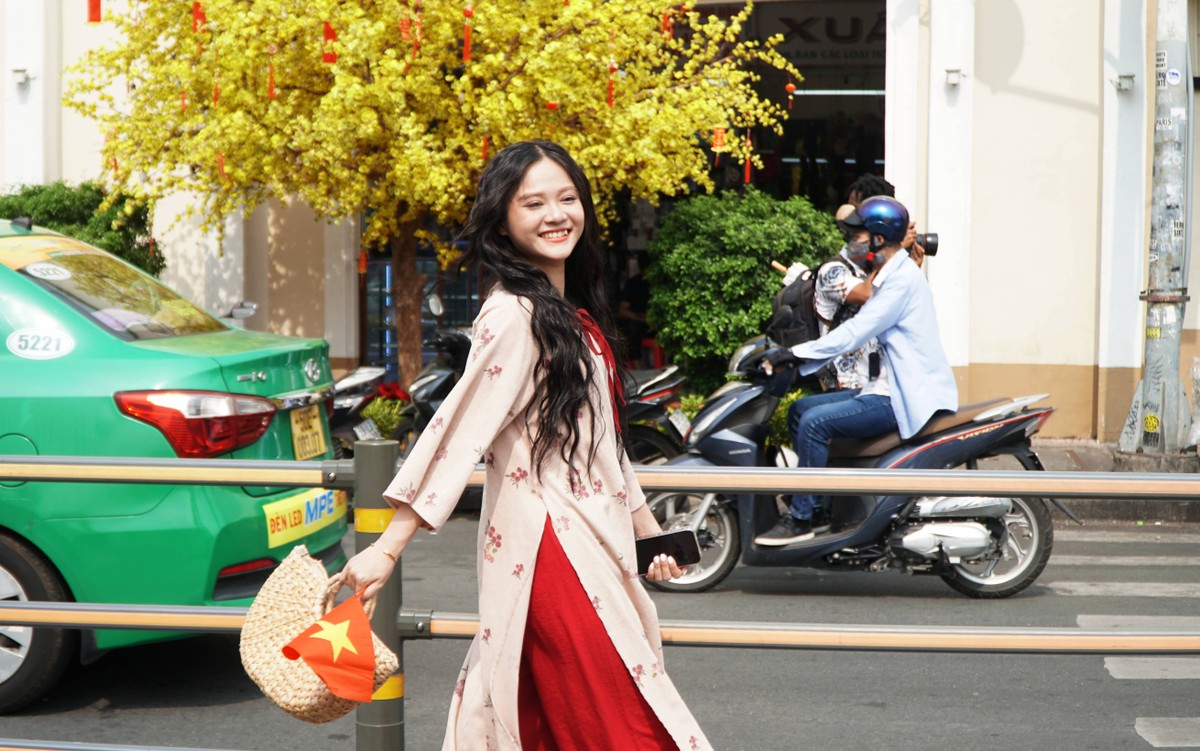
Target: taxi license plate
(308,435)
(302,514)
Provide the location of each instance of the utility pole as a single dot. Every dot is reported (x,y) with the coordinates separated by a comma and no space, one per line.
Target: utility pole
(1159,419)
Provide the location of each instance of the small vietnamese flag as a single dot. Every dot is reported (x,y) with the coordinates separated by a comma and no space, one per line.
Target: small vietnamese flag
(339,650)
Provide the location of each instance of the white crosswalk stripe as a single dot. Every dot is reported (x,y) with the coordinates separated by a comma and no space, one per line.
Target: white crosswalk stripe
(1153,668)
(1074,534)
(1169,732)
(1124,560)
(1124,589)
(1157,732)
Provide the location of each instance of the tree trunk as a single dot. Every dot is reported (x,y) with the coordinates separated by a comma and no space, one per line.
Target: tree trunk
(407,288)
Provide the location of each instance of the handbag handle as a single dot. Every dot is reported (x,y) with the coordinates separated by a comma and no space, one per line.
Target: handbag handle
(331,589)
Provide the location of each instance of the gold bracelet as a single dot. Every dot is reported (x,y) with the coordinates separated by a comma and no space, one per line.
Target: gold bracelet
(389,555)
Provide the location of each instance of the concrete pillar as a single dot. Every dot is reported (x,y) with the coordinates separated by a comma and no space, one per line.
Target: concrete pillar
(948,212)
(1123,205)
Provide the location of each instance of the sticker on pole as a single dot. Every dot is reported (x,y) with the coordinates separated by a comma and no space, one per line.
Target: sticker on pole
(1150,423)
(1174,76)
(39,344)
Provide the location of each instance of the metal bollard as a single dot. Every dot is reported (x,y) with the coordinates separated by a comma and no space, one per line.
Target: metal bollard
(379,724)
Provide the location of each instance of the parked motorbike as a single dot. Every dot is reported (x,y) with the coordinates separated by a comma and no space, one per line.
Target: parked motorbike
(351,394)
(983,547)
(655,424)
(655,432)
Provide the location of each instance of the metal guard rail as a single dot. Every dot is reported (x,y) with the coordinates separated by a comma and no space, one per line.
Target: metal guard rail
(341,474)
(412,624)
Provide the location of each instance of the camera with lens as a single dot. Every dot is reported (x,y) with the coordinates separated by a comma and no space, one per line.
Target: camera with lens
(928,241)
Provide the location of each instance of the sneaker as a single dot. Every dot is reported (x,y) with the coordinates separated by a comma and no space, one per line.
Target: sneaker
(786,531)
(820,520)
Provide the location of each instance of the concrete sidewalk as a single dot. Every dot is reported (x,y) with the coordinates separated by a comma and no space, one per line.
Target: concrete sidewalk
(1065,455)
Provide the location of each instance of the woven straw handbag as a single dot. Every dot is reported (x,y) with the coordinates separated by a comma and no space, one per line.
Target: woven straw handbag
(297,595)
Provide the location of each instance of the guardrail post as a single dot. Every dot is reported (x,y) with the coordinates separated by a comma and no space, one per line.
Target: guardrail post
(380,723)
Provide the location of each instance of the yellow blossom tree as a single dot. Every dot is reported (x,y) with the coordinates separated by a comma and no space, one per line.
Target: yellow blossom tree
(390,108)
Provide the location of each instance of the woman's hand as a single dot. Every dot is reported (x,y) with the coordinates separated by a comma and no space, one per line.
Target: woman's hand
(371,568)
(368,571)
(663,568)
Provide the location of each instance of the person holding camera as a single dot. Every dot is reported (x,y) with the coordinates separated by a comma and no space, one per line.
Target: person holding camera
(909,381)
(867,186)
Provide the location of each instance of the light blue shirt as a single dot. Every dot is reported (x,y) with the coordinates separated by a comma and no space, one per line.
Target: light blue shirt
(900,314)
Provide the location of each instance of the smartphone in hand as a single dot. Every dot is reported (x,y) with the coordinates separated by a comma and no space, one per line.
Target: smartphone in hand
(680,544)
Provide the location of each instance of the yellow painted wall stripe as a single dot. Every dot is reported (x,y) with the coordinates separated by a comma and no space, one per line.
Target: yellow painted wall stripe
(372,520)
(392,688)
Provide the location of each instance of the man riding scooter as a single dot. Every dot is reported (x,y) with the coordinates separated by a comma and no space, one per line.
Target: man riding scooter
(908,382)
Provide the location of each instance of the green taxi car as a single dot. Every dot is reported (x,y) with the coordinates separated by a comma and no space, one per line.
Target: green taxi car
(101,359)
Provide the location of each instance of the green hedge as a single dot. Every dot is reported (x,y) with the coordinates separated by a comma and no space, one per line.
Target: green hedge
(711,278)
(122,229)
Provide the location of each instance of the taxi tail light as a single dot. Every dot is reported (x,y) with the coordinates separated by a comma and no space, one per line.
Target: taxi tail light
(201,424)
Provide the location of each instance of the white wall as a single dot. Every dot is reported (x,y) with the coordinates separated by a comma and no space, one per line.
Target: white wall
(1035,163)
(29,79)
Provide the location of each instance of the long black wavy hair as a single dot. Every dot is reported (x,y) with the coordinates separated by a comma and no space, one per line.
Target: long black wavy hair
(560,394)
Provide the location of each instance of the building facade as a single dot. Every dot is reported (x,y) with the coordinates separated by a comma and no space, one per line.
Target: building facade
(1018,130)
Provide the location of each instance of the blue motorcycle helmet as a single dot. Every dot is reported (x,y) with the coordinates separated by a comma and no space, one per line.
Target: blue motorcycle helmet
(884,216)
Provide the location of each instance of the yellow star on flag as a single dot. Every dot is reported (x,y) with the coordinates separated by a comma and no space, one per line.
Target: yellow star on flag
(337,635)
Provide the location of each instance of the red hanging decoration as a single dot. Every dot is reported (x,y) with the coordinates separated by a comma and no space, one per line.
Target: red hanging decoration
(666,24)
(183,101)
(271,50)
(216,91)
(362,261)
(718,145)
(93,11)
(791,91)
(405,29)
(748,166)
(198,18)
(485,148)
(612,81)
(551,105)
(329,55)
(468,13)
(221,166)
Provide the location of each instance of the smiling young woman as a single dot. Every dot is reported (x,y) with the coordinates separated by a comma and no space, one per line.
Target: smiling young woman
(568,654)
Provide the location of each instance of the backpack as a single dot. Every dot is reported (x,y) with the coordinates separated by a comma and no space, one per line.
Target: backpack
(794,317)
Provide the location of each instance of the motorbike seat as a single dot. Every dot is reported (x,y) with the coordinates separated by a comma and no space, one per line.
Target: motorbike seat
(846,448)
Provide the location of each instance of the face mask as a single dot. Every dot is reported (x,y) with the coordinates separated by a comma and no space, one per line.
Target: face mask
(860,253)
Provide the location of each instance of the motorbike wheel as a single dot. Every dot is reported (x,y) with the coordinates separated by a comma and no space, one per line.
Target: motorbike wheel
(720,545)
(31,659)
(1026,551)
(405,433)
(647,445)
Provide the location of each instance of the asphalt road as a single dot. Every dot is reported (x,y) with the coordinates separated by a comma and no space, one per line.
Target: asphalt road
(193,693)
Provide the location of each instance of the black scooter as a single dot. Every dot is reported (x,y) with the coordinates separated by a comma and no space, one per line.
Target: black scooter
(980,546)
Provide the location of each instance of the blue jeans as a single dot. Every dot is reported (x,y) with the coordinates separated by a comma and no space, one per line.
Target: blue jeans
(814,421)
